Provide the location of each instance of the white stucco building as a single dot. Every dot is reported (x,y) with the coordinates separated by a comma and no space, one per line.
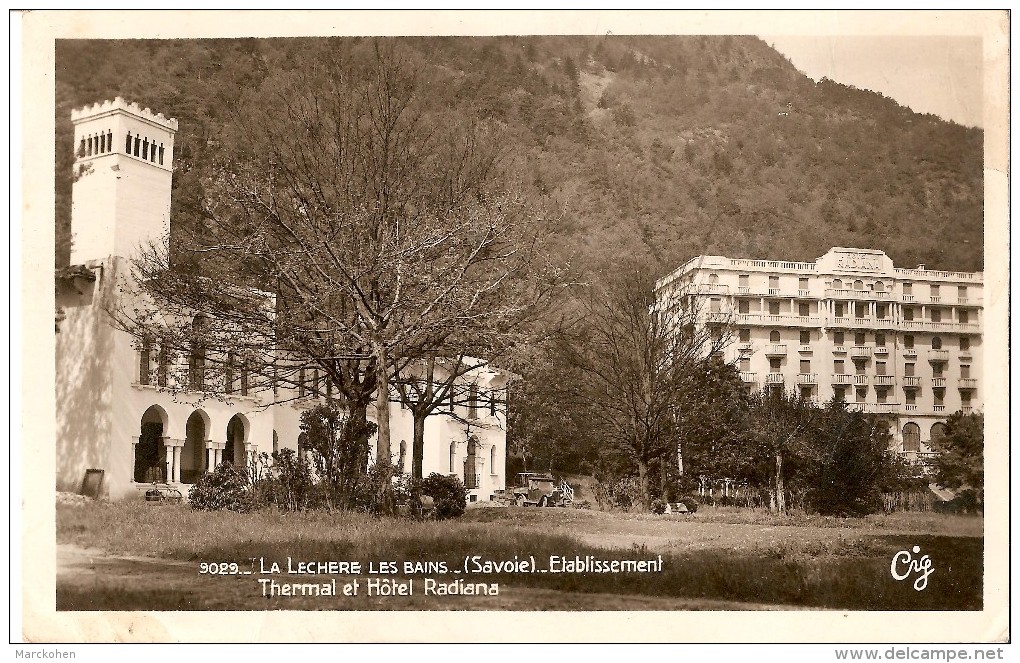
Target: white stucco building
(133,412)
(903,343)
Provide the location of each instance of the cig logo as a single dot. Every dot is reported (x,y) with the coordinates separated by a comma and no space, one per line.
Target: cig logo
(905,565)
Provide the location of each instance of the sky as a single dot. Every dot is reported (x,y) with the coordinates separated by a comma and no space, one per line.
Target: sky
(940,75)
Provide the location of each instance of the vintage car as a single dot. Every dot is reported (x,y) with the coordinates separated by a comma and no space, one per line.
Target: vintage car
(535,489)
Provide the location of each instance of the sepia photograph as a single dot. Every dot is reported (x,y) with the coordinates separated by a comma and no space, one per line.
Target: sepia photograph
(550,317)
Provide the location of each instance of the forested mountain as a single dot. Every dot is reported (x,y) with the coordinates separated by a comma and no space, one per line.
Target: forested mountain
(658,148)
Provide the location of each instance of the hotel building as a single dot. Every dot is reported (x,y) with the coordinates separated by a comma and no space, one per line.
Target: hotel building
(901,343)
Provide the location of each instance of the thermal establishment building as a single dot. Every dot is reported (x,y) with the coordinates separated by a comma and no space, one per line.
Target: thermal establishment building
(901,343)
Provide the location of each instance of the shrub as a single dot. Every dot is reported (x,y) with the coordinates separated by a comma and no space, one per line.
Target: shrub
(582,504)
(658,506)
(448,494)
(689,502)
(289,483)
(226,487)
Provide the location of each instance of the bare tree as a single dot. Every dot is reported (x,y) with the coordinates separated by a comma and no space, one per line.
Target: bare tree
(349,226)
(638,354)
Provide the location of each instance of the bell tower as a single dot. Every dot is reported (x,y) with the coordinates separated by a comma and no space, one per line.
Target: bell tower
(123,168)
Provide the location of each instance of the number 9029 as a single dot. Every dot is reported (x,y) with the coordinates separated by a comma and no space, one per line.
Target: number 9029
(218,568)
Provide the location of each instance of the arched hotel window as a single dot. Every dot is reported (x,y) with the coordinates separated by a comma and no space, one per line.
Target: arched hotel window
(936,342)
(492,460)
(837,284)
(774,336)
(938,431)
(879,286)
(911,437)
(858,285)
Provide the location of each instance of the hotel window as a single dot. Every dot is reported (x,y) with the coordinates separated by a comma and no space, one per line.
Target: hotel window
(965,398)
(936,315)
(244,379)
(908,313)
(773,308)
(745,364)
(908,288)
(862,394)
(743,306)
(839,393)
(839,309)
(934,289)
(961,292)
(228,374)
(714,304)
(882,311)
(940,395)
(879,368)
(713,279)
(744,281)
(879,286)
(880,340)
(861,310)
(774,336)
(936,342)
(910,397)
(144,362)
(802,283)
(805,366)
(775,364)
(860,338)
(881,395)
(805,337)
(936,370)
(908,369)
(911,437)
(805,393)
(964,318)
(908,341)
(745,335)
(774,282)
(163,364)
(837,338)
(964,370)
(838,367)
(965,343)
(837,284)
(860,367)
(805,309)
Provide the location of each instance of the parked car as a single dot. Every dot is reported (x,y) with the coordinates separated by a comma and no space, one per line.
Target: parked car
(536,489)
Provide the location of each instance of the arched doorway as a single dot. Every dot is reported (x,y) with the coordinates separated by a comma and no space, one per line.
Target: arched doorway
(938,431)
(911,437)
(470,464)
(193,453)
(233,450)
(150,454)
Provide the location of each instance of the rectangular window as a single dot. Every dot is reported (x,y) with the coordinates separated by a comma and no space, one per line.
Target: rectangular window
(837,338)
(743,306)
(859,367)
(144,362)
(745,335)
(773,308)
(961,292)
(964,317)
(862,394)
(163,368)
(881,395)
(839,308)
(911,397)
(244,379)
(965,398)
(940,395)
(880,340)
(936,315)
(936,370)
(934,289)
(965,343)
(908,369)
(964,370)
(715,305)
(773,281)
(860,338)
(775,364)
(908,313)
(838,367)
(805,365)
(861,310)
(745,363)
(805,337)
(802,283)
(908,341)
(493,402)
(908,288)
(839,393)
(744,280)
(879,368)
(805,393)
(805,309)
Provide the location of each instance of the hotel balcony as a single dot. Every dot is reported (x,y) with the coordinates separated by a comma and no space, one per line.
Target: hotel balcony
(909,352)
(875,408)
(807,378)
(851,322)
(805,349)
(775,350)
(881,350)
(938,356)
(842,378)
(838,350)
(860,352)
(941,327)
(744,348)
(965,355)
(778,319)
(938,408)
(935,299)
(748,376)
(860,379)
(938,383)
(774,378)
(907,297)
(967,409)
(803,293)
(712,289)
(884,380)
(844,293)
(910,407)
(967,383)
(911,382)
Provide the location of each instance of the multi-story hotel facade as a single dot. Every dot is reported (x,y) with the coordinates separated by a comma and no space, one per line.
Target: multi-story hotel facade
(902,343)
(127,408)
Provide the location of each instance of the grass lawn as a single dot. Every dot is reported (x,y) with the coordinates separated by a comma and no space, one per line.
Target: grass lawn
(138,556)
